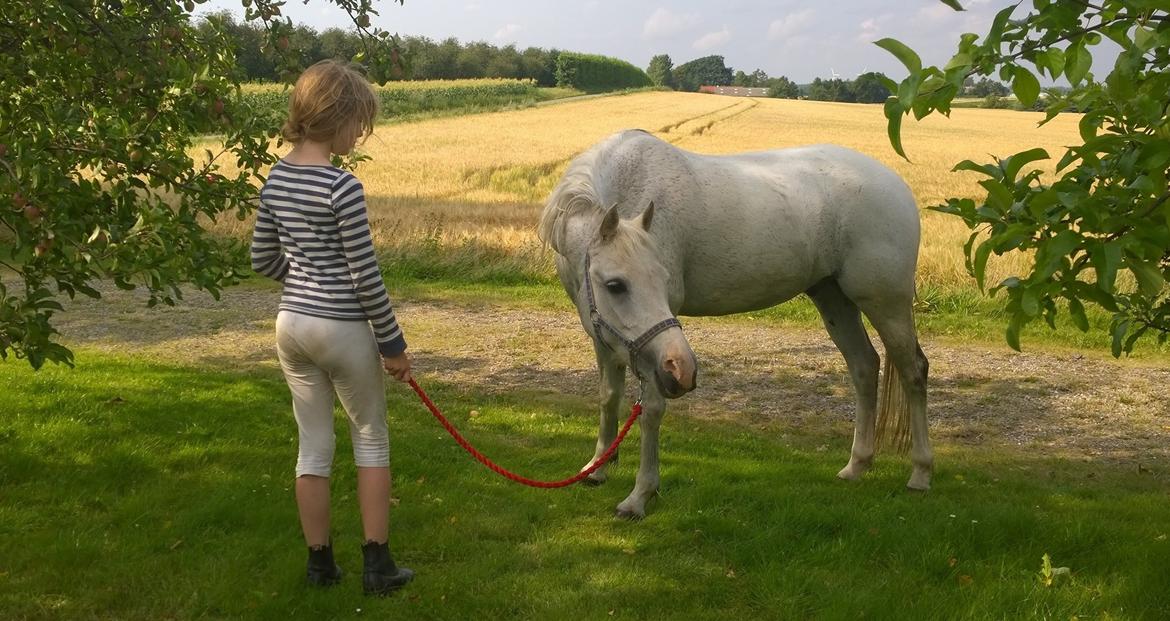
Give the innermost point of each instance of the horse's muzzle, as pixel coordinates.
(678, 374)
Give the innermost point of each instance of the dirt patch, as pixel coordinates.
(1069, 404)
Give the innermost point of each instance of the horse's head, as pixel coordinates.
(625, 293)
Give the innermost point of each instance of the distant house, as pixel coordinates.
(735, 91)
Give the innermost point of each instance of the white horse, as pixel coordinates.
(645, 231)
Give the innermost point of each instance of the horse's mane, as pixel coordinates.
(581, 189)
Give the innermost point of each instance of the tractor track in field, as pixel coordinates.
(1042, 402)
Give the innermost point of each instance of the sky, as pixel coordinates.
(800, 39)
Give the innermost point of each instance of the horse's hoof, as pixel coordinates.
(849, 473)
(919, 481)
(591, 482)
(631, 516)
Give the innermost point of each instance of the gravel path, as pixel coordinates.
(1087, 406)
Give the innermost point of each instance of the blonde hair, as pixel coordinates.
(328, 98)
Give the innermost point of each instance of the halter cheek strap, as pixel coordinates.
(633, 346)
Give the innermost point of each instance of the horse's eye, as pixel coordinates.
(616, 287)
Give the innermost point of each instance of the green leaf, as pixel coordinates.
(1013, 332)
(958, 60)
(987, 169)
(1077, 311)
(1088, 126)
(1091, 293)
(1025, 86)
(908, 56)
(1013, 164)
(1053, 251)
(1120, 327)
(893, 111)
(1106, 260)
(1144, 38)
(1149, 278)
(1077, 62)
(979, 265)
(999, 197)
(1030, 302)
(954, 4)
(995, 34)
(1055, 62)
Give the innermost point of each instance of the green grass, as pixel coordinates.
(143, 491)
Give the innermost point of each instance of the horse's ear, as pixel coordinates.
(609, 224)
(647, 216)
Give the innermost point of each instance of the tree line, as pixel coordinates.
(449, 59)
(712, 71)
(424, 58)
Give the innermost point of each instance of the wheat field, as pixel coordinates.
(475, 184)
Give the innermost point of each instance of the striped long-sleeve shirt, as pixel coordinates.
(313, 234)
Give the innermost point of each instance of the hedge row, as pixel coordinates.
(594, 73)
(410, 98)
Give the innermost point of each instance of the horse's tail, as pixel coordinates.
(893, 416)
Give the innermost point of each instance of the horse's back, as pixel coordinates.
(746, 231)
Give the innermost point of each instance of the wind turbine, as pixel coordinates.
(833, 72)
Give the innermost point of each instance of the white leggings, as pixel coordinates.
(320, 356)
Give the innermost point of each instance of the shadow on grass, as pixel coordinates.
(136, 490)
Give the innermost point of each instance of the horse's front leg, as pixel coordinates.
(613, 384)
(646, 486)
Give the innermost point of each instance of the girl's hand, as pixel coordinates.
(398, 366)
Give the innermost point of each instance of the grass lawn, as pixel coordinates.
(136, 490)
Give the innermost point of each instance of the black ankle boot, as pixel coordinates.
(322, 570)
(381, 576)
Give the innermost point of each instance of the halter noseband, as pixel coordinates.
(635, 346)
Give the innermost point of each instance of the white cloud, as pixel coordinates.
(871, 29)
(790, 25)
(937, 12)
(507, 31)
(664, 23)
(713, 39)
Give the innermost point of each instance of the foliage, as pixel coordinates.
(429, 60)
(1107, 211)
(705, 71)
(783, 88)
(834, 89)
(400, 99)
(870, 88)
(757, 78)
(866, 88)
(595, 73)
(985, 87)
(660, 72)
(102, 102)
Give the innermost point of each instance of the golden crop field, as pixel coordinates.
(479, 181)
(411, 85)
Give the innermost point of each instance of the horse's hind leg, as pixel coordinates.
(613, 384)
(843, 322)
(895, 324)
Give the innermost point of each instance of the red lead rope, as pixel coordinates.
(634, 414)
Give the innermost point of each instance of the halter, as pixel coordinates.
(635, 346)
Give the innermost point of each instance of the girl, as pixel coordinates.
(312, 234)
